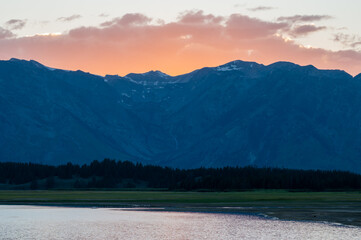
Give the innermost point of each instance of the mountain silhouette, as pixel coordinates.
(237, 114)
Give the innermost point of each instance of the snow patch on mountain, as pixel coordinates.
(231, 67)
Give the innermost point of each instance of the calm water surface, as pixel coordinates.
(28, 222)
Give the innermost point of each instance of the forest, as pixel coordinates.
(124, 174)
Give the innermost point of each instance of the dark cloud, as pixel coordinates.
(304, 18)
(261, 8)
(15, 24)
(70, 18)
(4, 33)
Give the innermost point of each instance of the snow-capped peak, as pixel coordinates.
(236, 65)
(156, 74)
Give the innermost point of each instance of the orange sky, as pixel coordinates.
(134, 43)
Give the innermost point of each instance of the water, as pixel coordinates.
(28, 222)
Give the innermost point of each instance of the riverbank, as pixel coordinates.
(338, 207)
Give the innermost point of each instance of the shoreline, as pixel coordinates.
(335, 207)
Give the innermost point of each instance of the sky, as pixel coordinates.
(176, 37)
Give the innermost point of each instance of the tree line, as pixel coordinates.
(111, 174)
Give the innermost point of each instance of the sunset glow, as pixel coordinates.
(138, 42)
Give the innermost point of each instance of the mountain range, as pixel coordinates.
(237, 114)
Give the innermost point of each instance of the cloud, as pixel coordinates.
(305, 30)
(261, 8)
(299, 24)
(15, 24)
(304, 18)
(128, 19)
(70, 18)
(137, 43)
(4, 33)
(198, 17)
(348, 40)
(356, 44)
(244, 27)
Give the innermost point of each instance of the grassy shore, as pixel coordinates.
(340, 207)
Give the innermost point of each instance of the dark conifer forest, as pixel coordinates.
(124, 174)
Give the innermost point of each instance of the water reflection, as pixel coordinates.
(27, 222)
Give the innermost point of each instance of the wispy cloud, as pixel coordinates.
(303, 30)
(15, 24)
(261, 8)
(304, 18)
(136, 43)
(302, 25)
(348, 40)
(4, 33)
(70, 18)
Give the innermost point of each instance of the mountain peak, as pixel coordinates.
(150, 78)
(31, 63)
(156, 73)
(283, 64)
(236, 66)
(15, 60)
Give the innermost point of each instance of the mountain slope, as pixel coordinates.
(240, 113)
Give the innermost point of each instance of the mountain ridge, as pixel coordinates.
(239, 113)
(278, 63)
